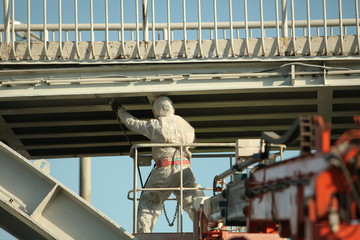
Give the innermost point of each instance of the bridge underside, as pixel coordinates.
(61, 108)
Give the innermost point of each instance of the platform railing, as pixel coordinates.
(135, 150)
(176, 20)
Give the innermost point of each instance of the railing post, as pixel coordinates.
(7, 21)
(60, 29)
(284, 16)
(293, 26)
(137, 29)
(76, 16)
(263, 35)
(308, 24)
(107, 28)
(45, 33)
(28, 33)
(145, 20)
(13, 36)
(200, 30)
(325, 28)
(277, 26)
(135, 203)
(184, 28)
(216, 29)
(92, 36)
(231, 28)
(181, 190)
(122, 28)
(246, 28)
(153, 27)
(341, 28)
(231, 165)
(169, 38)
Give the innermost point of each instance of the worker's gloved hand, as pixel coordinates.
(115, 106)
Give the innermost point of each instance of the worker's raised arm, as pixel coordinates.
(143, 127)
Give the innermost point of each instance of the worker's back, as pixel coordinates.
(172, 129)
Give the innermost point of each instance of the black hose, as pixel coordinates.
(130, 143)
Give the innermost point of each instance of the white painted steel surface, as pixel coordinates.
(246, 65)
(64, 111)
(138, 78)
(33, 205)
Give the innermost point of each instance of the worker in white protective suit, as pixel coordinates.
(166, 128)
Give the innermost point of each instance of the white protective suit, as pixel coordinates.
(166, 128)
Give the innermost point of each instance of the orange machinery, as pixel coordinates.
(313, 196)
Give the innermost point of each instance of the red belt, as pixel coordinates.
(165, 163)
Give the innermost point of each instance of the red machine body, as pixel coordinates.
(313, 196)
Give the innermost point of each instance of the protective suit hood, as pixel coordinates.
(163, 107)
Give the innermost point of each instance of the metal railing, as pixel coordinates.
(168, 20)
(181, 188)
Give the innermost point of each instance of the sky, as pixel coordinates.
(112, 176)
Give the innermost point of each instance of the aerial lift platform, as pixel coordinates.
(315, 195)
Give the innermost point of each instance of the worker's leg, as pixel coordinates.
(150, 207)
(189, 182)
(150, 204)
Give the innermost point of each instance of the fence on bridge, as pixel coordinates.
(154, 21)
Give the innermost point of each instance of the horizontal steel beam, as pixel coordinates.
(177, 26)
(172, 78)
(190, 118)
(192, 105)
(237, 129)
